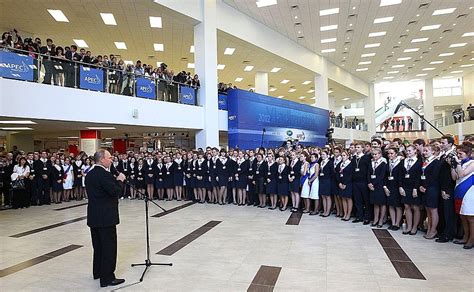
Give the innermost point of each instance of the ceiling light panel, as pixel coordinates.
(158, 47)
(398, 66)
(362, 69)
(120, 45)
(58, 15)
(367, 55)
(220, 67)
(108, 18)
(229, 51)
(248, 68)
(191, 49)
(238, 79)
(377, 34)
(325, 41)
(328, 27)
(389, 2)
(372, 45)
(155, 22)
(431, 27)
(458, 45)
(81, 43)
(275, 70)
(306, 82)
(365, 63)
(328, 51)
(468, 34)
(411, 50)
(419, 40)
(446, 54)
(265, 3)
(444, 11)
(383, 19)
(436, 62)
(190, 65)
(328, 11)
(404, 59)
(285, 81)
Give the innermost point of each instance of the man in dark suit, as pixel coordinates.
(103, 190)
(72, 73)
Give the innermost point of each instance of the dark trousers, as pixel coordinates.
(33, 191)
(6, 193)
(48, 71)
(43, 191)
(360, 193)
(447, 207)
(252, 197)
(104, 243)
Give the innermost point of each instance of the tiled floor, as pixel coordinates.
(319, 254)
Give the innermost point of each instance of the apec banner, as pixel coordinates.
(16, 66)
(187, 95)
(146, 88)
(222, 102)
(91, 78)
(252, 114)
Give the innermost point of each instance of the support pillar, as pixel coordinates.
(428, 104)
(261, 82)
(321, 88)
(89, 141)
(369, 110)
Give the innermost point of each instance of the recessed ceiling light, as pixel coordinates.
(466, 65)
(272, 89)
(445, 54)
(367, 55)
(403, 58)
(158, 64)
(81, 43)
(389, 77)
(310, 91)
(16, 129)
(285, 81)
(328, 11)
(264, 3)
(458, 45)
(14, 122)
(238, 79)
(108, 18)
(446, 77)
(191, 49)
(456, 72)
(120, 45)
(346, 98)
(419, 75)
(389, 2)
(444, 11)
(328, 51)
(128, 62)
(428, 69)
(229, 51)
(383, 19)
(393, 72)
(292, 90)
(58, 15)
(372, 45)
(248, 68)
(275, 69)
(68, 137)
(220, 67)
(302, 97)
(411, 50)
(430, 27)
(306, 82)
(328, 27)
(362, 69)
(191, 65)
(155, 21)
(468, 34)
(280, 96)
(398, 66)
(330, 91)
(436, 62)
(419, 40)
(101, 128)
(365, 63)
(325, 41)
(377, 34)
(159, 47)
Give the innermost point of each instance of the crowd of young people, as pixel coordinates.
(411, 187)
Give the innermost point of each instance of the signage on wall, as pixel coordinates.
(145, 88)
(16, 66)
(187, 95)
(91, 78)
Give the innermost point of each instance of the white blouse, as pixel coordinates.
(21, 170)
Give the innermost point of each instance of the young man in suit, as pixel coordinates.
(103, 190)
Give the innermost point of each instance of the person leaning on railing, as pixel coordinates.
(49, 50)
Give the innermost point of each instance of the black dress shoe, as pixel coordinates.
(366, 222)
(356, 221)
(114, 282)
(443, 239)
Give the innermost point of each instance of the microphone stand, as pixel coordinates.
(148, 263)
(421, 117)
(263, 135)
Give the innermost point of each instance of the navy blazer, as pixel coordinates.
(431, 174)
(413, 181)
(347, 172)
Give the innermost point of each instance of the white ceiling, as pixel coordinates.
(399, 33)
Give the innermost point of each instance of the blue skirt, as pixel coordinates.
(271, 187)
(295, 185)
(409, 199)
(325, 186)
(347, 192)
(159, 184)
(283, 189)
(431, 197)
(394, 200)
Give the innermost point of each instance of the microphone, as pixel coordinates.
(264, 130)
(400, 105)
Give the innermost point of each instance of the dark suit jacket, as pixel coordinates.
(103, 191)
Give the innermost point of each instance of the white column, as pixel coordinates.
(205, 59)
(369, 110)
(261, 82)
(428, 104)
(321, 87)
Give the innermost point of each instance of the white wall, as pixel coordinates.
(37, 101)
(351, 135)
(223, 120)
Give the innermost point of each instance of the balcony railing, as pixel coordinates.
(452, 119)
(34, 67)
(343, 123)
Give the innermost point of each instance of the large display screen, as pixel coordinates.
(252, 114)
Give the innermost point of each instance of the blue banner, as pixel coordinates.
(222, 102)
(252, 114)
(187, 95)
(91, 78)
(16, 66)
(146, 88)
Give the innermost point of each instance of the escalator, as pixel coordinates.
(387, 111)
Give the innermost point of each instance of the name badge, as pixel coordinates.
(257, 172)
(223, 167)
(269, 173)
(167, 172)
(407, 175)
(341, 175)
(160, 173)
(373, 176)
(238, 169)
(189, 169)
(292, 172)
(32, 171)
(390, 178)
(179, 168)
(139, 173)
(423, 177)
(149, 168)
(214, 167)
(45, 168)
(250, 169)
(199, 168)
(279, 176)
(357, 170)
(321, 174)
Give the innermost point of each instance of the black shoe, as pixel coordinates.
(114, 282)
(366, 222)
(356, 221)
(395, 228)
(443, 239)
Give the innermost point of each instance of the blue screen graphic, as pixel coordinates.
(250, 113)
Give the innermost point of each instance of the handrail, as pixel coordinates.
(94, 65)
